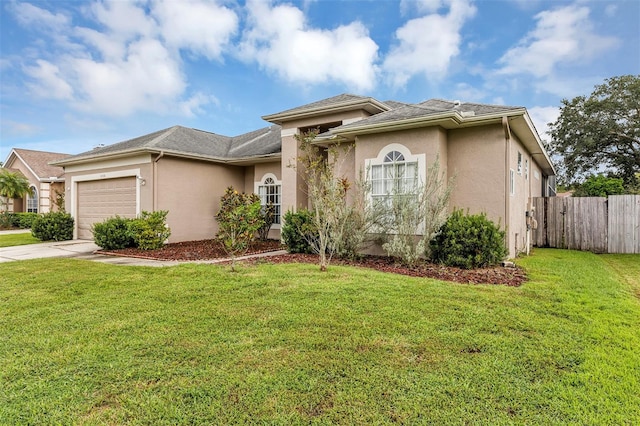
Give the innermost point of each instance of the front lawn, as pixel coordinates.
(90, 343)
(23, 238)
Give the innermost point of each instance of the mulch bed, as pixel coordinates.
(212, 249)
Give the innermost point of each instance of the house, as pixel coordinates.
(46, 180)
(494, 152)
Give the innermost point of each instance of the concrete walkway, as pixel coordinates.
(83, 249)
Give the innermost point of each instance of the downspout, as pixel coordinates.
(155, 180)
(507, 185)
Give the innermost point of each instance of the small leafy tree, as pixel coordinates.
(12, 185)
(239, 218)
(415, 215)
(600, 186)
(327, 193)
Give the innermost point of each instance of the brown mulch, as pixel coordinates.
(212, 249)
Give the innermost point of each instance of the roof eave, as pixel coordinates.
(169, 152)
(447, 119)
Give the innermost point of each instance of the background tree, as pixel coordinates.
(601, 130)
(600, 186)
(12, 185)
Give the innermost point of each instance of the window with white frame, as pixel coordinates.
(519, 163)
(512, 182)
(270, 192)
(394, 172)
(32, 200)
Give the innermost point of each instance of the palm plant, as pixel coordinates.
(12, 185)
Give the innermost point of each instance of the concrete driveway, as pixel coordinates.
(78, 249)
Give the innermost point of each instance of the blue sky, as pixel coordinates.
(75, 74)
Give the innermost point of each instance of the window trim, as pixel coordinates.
(408, 158)
(512, 182)
(33, 199)
(278, 183)
(520, 163)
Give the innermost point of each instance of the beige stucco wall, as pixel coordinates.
(191, 190)
(293, 190)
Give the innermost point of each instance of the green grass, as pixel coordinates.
(10, 240)
(89, 343)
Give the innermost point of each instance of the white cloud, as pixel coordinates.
(562, 36)
(127, 57)
(541, 117)
(279, 39)
(202, 27)
(466, 92)
(422, 6)
(48, 81)
(35, 17)
(146, 79)
(428, 44)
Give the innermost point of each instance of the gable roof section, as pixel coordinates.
(38, 163)
(340, 103)
(192, 143)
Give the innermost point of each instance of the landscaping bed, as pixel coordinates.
(212, 249)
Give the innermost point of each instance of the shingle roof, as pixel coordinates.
(183, 140)
(426, 109)
(335, 100)
(38, 162)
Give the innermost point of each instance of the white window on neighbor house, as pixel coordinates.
(32, 200)
(519, 163)
(269, 189)
(512, 182)
(394, 172)
(526, 169)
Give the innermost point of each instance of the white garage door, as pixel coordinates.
(101, 199)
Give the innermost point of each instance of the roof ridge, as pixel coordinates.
(163, 136)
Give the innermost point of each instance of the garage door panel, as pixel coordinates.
(101, 199)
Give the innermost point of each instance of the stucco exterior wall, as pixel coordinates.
(431, 141)
(476, 158)
(191, 190)
(293, 191)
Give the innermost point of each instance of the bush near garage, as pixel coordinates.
(147, 232)
(468, 241)
(113, 233)
(150, 230)
(56, 226)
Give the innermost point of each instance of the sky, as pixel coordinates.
(77, 74)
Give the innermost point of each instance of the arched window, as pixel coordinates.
(270, 192)
(396, 174)
(32, 200)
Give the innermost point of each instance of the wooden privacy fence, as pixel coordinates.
(600, 225)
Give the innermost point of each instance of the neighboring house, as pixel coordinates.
(493, 151)
(47, 181)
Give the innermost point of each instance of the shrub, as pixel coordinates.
(297, 230)
(7, 220)
(57, 226)
(25, 220)
(267, 213)
(113, 233)
(239, 218)
(468, 241)
(150, 230)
